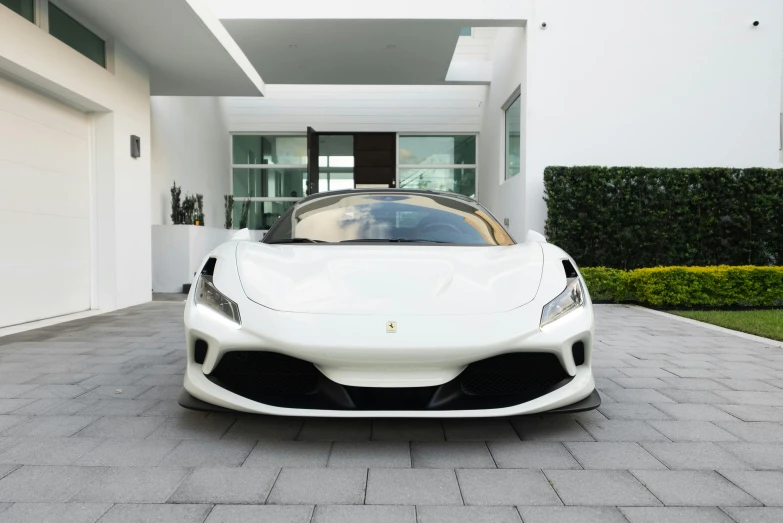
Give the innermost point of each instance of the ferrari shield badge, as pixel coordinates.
(391, 326)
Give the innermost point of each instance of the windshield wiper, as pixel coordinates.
(390, 240)
(298, 240)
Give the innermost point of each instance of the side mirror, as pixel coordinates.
(533, 236)
(242, 234)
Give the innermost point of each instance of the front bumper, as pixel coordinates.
(356, 351)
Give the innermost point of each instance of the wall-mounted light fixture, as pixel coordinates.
(135, 146)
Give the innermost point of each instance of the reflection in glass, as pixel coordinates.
(270, 183)
(460, 181)
(407, 217)
(261, 215)
(269, 150)
(335, 162)
(73, 34)
(513, 132)
(25, 8)
(438, 150)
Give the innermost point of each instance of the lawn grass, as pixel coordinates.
(767, 323)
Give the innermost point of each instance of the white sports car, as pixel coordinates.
(389, 303)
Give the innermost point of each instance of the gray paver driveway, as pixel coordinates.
(691, 429)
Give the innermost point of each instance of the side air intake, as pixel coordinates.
(569, 269)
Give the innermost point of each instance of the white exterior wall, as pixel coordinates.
(118, 103)
(504, 198)
(657, 83)
(190, 145)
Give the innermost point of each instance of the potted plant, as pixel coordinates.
(228, 201)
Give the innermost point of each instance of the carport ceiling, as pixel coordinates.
(185, 56)
(363, 52)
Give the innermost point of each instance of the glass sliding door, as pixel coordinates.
(335, 162)
(442, 163)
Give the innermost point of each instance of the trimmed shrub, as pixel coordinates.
(631, 217)
(721, 286)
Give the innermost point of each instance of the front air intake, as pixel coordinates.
(200, 351)
(578, 350)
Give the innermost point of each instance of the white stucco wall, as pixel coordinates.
(118, 105)
(660, 83)
(504, 198)
(190, 145)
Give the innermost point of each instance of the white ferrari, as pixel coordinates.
(389, 303)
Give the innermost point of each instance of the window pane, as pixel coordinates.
(461, 181)
(270, 150)
(260, 215)
(465, 31)
(21, 7)
(270, 183)
(438, 150)
(513, 127)
(75, 35)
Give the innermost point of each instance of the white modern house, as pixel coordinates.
(105, 103)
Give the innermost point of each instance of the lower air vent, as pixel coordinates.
(200, 351)
(253, 373)
(578, 350)
(517, 373)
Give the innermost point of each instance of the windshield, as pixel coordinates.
(388, 218)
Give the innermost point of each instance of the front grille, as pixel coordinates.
(512, 374)
(283, 381)
(253, 373)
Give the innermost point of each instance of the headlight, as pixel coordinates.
(208, 296)
(570, 299)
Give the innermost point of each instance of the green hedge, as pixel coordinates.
(720, 286)
(630, 217)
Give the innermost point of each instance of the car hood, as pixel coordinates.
(392, 279)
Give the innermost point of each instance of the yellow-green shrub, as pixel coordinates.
(717, 286)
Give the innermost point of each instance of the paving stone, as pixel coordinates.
(15, 390)
(316, 429)
(752, 385)
(193, 428)
(226, 485)
(694, 412)
(600, 487)
(201, 453)
(695, 456)
(126, 453)
(115, 391)
(675, 515)
(370, 454)
(320, 486)
(693, 488)
(551, 428)
(31, 484)
(407, 430)
(412, 487)
(54, 512)
(693, 396)
(763, 456)
(531, 455)
(742, 397)
(116, 407)
(505, 487)
(50, 426)
(156, 514)
(132, 485)
(755, 514)
(621, 430)
(434, 514)
(640, 383)
(632, 411)
(9, 405)
(310, 454)
(638, 396)
(260, 513)
(451, 454)
(363, 514)
(764, 485)
(479, 430)
(755, 431)
(265, 428)
(47, 451)
(571, 515)
(692, 431)
(748, 412)
(613, 455)
(123, 427)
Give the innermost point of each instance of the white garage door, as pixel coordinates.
(44, 207)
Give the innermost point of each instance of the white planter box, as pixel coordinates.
(177, 252)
